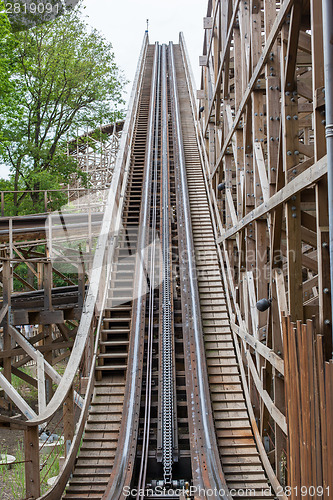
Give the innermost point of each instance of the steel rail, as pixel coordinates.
(211, 476)
(167, 333)
(121, 474)
(146, 429)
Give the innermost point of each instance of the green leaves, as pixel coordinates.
(8, 60)
(64, 80)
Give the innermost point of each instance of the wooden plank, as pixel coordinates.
(41, 383)
(316, 466)
(231, 206)
(23, 376)
(33, 353)
(16, 398)
(32, 467)
(208, 23)
(295, 409)
(68, 410)
(253, 311)
(263, 350)
(306, 442)
(266, 463)
(203, 61)
(323, 412)
(262, 171)
(285, 7)
(3, 312)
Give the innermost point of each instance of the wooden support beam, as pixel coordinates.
(23, 376)
(16, 398)
(275, 413)
(33, 354)
(41, 382)
(31, 449)
(301, 182)
(266, 107)
(262, 171)
(285, 7)
(259, 347)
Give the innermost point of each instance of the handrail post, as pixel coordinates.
(47, 329)
(32, 473)
(68, 410)
(45, 201)
(2, 204)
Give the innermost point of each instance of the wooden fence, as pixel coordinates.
(309, 405)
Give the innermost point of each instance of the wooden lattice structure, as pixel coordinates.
(95, 153)
(262, 120)
(45, 268)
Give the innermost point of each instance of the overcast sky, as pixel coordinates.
(123, 22)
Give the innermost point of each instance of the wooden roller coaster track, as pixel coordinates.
(197, 322)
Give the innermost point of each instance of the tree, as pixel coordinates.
(7, 58)
(66, 80)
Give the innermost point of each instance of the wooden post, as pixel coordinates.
(7, 341)
(68, 410)
(41, 382)
(2, 204)
(32, 473)
(48, 328)
(289, 41)
(324, 282)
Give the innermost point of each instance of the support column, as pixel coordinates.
(32, 474)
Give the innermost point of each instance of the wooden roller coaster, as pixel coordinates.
(187, 295)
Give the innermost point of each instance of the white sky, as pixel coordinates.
(123, 22)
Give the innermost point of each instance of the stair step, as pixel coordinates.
(113, 355)
(114, 343)
(111, 367)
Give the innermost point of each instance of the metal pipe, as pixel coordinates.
(328, 69)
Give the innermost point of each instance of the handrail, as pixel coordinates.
(123, 158)
(189, 75)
